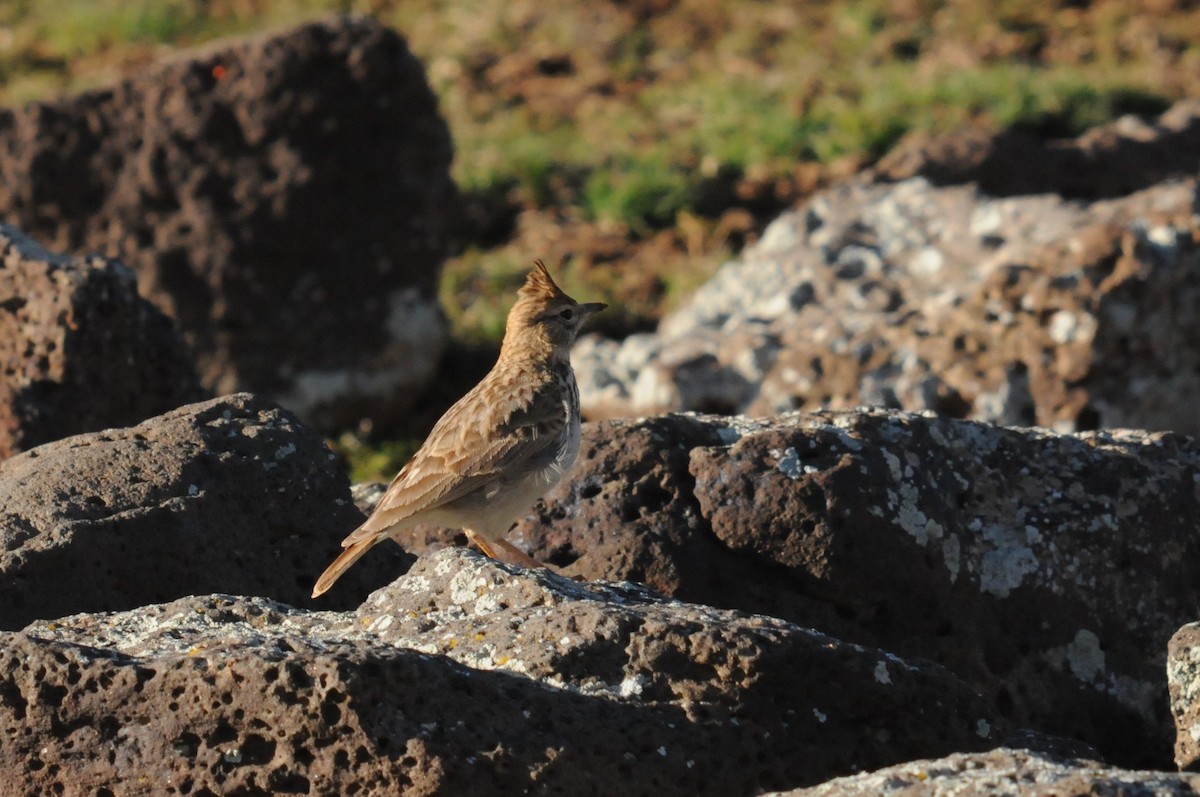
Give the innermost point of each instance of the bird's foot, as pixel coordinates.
(520, 556)
(481, 544)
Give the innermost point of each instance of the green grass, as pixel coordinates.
(849, 86)
(50, 47)
(476, 291)
(83, 27)
(579, 109)
(750, 86)
(643, 193)
(508, 152)
(373, 461)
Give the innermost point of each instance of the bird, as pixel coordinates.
(501, 446)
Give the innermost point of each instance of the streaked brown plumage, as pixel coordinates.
(501, 446)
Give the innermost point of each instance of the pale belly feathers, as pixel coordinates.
(492, 510)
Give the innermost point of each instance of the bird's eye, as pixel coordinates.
(567, 315)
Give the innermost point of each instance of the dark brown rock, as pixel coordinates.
(80, 350)
(1183, 679)
(286, 198)
(1048, 570)
(232, 494)
(1113, 160)
(464, 677)
(1002, 773)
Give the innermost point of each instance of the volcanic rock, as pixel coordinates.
(80, 350)
(1048, 570)
(1005, 772)
(285, 198)
(464, 677)
(231, 494)
(1021, 309)
(1183, 678)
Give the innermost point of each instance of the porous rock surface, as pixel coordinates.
(1183, 679)
(79, 349)
(232, 494)
(1048, 570)
(1069, 313)
(463, 677)
(286, 198)
(1003, 773)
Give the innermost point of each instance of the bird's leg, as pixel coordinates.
(481, 544)
(516, 553)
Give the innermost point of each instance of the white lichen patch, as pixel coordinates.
(1085, 657)
(952, 555)
(915, 523)
(1005, 566)
(732, 428)
(849, 441)
(1183, 674)
(472, 592)
(881, 673)
(894, 466)
(1067, 327)
(787, 461)
(632, 686)
(1140, 696)
(381, 623)
(414, 582)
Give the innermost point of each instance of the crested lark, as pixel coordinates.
(501, 446)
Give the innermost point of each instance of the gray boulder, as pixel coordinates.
(231, 494)
(463, 677)
(1016, 308)
(1048, 570)
(1183, 679)
(1002, 773)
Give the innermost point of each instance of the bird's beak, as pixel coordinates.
(591, 308)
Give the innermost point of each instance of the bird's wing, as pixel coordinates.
(476, 443)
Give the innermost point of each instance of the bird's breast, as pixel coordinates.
(491, 510)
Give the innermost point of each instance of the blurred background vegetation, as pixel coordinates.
(637, 145)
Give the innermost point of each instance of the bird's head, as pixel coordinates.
(544, 321)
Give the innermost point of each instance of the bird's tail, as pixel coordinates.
(342, 563)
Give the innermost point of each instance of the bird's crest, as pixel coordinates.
(539, 286)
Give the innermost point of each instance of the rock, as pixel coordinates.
(1019, 310)
(81, 351)
(285, 198)
(1110, 161)
(231, 494)
(1183, 680)
(1047, 570)
(465, 676)
(1004, 772)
